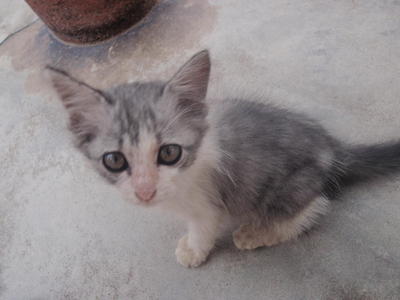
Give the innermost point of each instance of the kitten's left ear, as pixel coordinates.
(190, 83)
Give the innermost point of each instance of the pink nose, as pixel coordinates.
(145, 195)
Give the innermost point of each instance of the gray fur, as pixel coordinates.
(273, 163)
(272, 158)
(279, 161)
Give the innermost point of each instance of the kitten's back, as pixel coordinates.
(263, 146)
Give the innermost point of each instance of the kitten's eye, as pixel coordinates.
(169, 154)
(115, 161)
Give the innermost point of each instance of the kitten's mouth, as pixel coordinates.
(151, 202)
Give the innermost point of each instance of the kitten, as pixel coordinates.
(265, 168)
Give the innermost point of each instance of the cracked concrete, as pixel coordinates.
(64, 234)
(14, 16)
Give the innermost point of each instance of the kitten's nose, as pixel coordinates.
(145, 195)
(144, 180)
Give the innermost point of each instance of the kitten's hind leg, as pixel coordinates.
(252, 236)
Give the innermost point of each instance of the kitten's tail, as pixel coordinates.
(363, 163)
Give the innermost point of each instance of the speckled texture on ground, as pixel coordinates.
(64, 234)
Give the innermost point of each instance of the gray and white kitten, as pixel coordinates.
(266, 169)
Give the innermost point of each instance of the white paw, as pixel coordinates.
(187, 256)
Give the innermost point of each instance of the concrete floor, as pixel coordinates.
(64, 234)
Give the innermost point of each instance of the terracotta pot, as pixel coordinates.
(90, 21)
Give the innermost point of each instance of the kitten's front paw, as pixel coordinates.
(187, 256)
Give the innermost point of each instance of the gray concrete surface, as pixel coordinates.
(64, 234)
(14, 16)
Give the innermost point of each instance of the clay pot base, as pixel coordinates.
(79, 22)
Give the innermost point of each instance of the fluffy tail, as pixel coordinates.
(363, 163)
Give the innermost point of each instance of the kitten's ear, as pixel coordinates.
(191, 81)
(86, 106)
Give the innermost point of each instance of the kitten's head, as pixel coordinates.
(142, 137)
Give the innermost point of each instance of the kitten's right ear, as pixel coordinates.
(86, 106)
